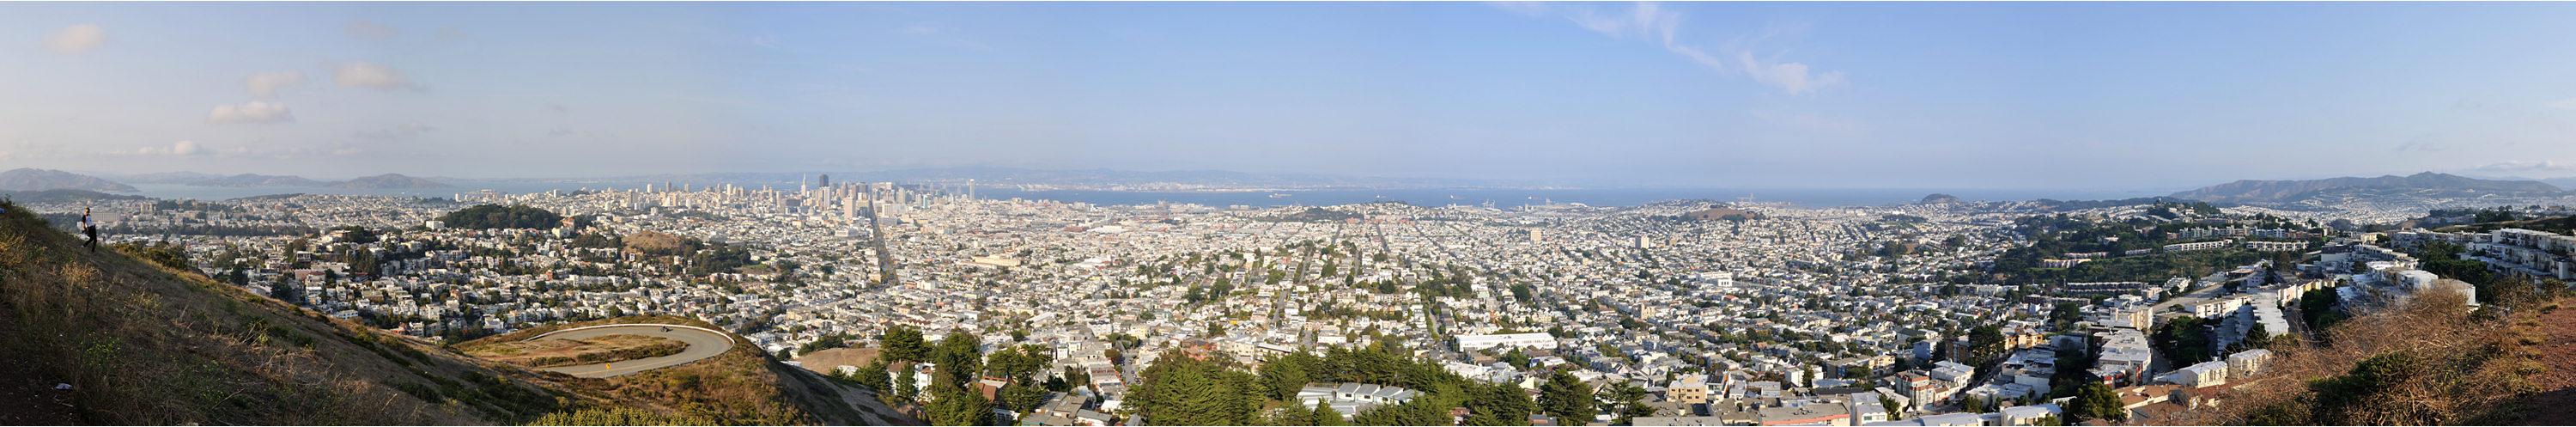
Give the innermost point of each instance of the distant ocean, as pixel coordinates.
(1501, 198)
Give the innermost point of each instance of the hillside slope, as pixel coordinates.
(145, 344)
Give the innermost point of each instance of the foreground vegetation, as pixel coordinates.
(2427, 362)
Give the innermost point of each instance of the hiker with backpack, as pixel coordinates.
(89, 228)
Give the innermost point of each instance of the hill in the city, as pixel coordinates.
(2427, 183)
(132, 335)
(32, 179)
(1721, 213)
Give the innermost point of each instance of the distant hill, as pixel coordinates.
(255, 180)
(391, 180)
(2260, 191)
(1721, 213)
(2561, 182)
(31, 179)
(62, 196)
(1939, 198)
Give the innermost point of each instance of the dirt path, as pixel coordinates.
(2556, 404)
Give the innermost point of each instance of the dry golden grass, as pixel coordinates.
(143, 344)
(2463, 370)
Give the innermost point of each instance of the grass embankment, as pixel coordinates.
(553, 352)
(143, 343)
(2428, 362)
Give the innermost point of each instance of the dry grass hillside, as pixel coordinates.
(142, 343)
(147, 344)
(2429, 362)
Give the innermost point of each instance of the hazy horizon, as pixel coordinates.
(2131, 96)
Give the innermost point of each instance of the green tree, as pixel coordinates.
(2096, 401)
(903, 344)
(1567, 399)
(1289, 373)
(1507, 403)
(956, 406)
(1022, 396)
(1326, 416)
(906, 388)
(959, 356)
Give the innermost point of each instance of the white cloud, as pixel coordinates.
(181, 148)
(1793, 77)
(265, 85)
(369, 75)
(251, 112)
(76, 38)
(1650, 22)
(360, 28)
(2563, 104)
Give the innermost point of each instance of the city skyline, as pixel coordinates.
(2126, 96)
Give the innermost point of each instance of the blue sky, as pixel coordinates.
(1908, 95)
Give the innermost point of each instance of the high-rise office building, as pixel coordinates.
(824, 181)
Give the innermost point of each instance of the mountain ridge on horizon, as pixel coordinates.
(2274, 191)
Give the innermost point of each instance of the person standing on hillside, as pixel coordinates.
(89, 228)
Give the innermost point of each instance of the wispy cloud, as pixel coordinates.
(1791, 76)
(1651, 22)
(370, 75)
(76, 39)
(265, 85)
(2563, 104)
(251, 112)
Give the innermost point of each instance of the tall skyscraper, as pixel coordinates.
(824, 181)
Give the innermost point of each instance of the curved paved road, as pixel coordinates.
(702, 344)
